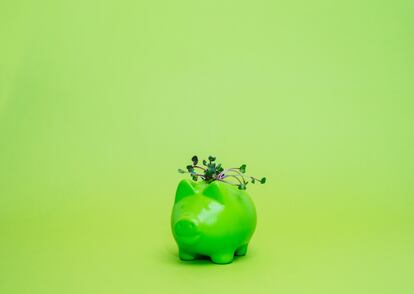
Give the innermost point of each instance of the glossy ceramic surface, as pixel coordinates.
(215, 220)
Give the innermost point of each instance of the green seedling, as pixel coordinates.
(211, 171)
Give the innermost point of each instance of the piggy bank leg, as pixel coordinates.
(242, 250)
(223, 258)
(184, 255)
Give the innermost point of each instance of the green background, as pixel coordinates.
(101, 102)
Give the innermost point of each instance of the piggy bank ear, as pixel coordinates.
(214, 191)
(184, 189)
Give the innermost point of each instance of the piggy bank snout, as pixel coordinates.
(186, 231)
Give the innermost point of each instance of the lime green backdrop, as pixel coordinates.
(101, 102)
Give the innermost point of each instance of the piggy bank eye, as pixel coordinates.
(213, 191)
(184, 189)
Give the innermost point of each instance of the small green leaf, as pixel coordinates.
(211, 158)
(242, 187)
(194, 159)
(204, 162)
(181, 171)
(263, 180)
(195, 178)
(190, 168)
(243, 168)
(253, 180)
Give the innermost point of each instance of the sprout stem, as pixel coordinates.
(236, 170)
(235, 178)
(227, 182)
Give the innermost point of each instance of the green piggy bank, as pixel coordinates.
(215, 220)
